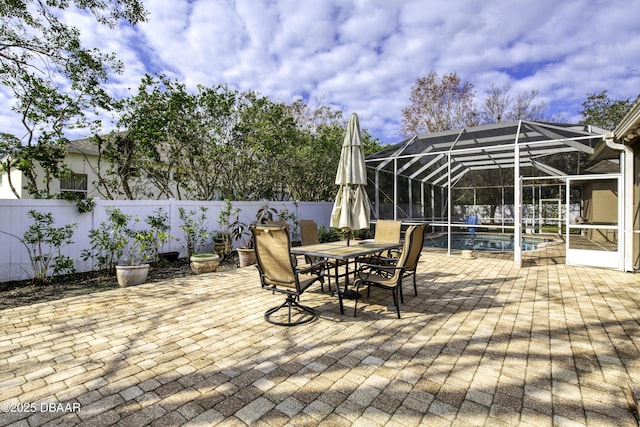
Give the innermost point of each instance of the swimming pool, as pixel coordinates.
(483, 242)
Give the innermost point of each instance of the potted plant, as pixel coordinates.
(206, 262)
(241, 232)
(117, 247)
(218, 243)
(294, 225)
(138, 248)
(196, 234)
(134, 249)
(222, 240)
(159, 223)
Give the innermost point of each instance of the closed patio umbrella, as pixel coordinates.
(351, 209)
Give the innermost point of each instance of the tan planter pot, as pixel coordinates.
(130, 275)
(204, 263)
(246, 257)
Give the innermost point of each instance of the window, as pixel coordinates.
(75, 184)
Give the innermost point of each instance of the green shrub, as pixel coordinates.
(43, 242)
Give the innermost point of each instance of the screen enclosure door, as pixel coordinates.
(593, 231)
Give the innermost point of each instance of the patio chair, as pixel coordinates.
(309, 232)
(387, 231)
(279, 223)
(278, 273)
(414, 256)
(309, 236)
(388, 276)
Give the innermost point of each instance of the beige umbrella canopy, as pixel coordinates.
(351, 209)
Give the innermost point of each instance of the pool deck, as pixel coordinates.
(483, 343)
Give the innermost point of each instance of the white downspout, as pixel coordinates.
(627, 212)
(517, 201)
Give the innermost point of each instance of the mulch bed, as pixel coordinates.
(24, 292)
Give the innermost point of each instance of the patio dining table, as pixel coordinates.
(342, 251)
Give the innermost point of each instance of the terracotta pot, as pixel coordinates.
(129, 275)
(246, 257)
(204, 263)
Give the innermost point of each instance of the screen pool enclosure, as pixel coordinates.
(522, 177)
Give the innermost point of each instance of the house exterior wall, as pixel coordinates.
(16, 180)
(601, 207)
(83, 164)
(79, 163)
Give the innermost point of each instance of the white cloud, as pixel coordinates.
(365, 55)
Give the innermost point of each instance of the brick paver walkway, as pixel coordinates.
(483, 343)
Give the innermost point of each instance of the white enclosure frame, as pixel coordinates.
(442, 159)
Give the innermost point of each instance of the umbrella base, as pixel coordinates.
(348, 294)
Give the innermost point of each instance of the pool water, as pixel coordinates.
(483, 242)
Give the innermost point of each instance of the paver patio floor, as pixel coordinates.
(483, 343)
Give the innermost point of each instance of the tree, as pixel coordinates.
(266, 135)
(220, 143)
(54, 79)
(209, 153)
(496, 103)
(312, 170)
(524, 108)
(311, 118)
(9, 149)
(499, 106)
(154, 128)
(439, 103)
(601, 111)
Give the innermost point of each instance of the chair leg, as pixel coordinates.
(327, 269)
(415, 288)
(395, 291)
(355, 305)
(308, 315)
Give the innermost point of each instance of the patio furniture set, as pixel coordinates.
(382, 262)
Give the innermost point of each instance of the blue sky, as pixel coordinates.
(364, 56)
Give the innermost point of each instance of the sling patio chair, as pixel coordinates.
(388, 276)
(278, 273)
(387, 231)
(279, 223)
(309, 236)
(413, 258)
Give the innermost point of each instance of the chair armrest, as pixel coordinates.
(380, 270)
(312, 267)
(379, 266)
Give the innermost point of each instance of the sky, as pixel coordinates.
(364, 56)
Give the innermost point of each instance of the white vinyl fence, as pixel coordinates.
(14, 220)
